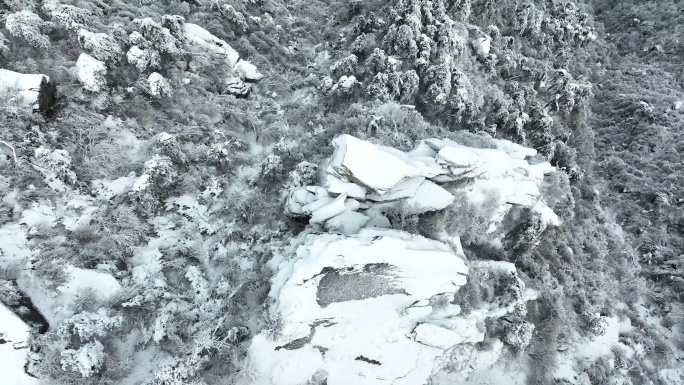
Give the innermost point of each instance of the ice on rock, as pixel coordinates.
(436, 336)
(405, 189)
(429, 197)
(384, 179)
(317, 204)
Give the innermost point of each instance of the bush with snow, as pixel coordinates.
(86, 360)
(159, 86)
(57, 164)
(518, 335)
(28, 26)
(100, 45)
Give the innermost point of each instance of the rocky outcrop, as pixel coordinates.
(375, 308)
(33, 91)
(363, 182)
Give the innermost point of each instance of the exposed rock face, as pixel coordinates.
(374, 308)
(365, 181)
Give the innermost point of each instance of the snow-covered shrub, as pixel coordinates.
(171, 148)
(91, 73)
(68, 17)
(4, 44)
(518, 335)
(100, 45)
(27, 25)
(86, 360)
(271, 172)
(154, 184)
(9, 295)
(596, 323)
(159, 86)
(57, 162)
(87, 325)
(345, 66)
(143, 58)
(304, 174)
(236, 18)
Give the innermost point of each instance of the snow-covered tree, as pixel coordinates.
(100, 45)
(91, 73)
(159, 86)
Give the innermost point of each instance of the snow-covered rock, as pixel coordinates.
(91, 72)
(344, 301)
(243, 69)
(14, 349)
(386, 180)
(378, 307)
(237, 86)
(201, 37)
(29, 90)
(365, 164)
(247, 71)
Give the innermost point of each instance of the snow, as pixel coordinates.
(108, 189)
(91, 72)
(14, 352)
(103, 283)
(345, 82)
(482, 46)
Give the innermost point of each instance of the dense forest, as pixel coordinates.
(354, 192)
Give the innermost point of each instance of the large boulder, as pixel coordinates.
(34, 91)
(375, 308)
(384, 181)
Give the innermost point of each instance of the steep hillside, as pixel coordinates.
(353, 192)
